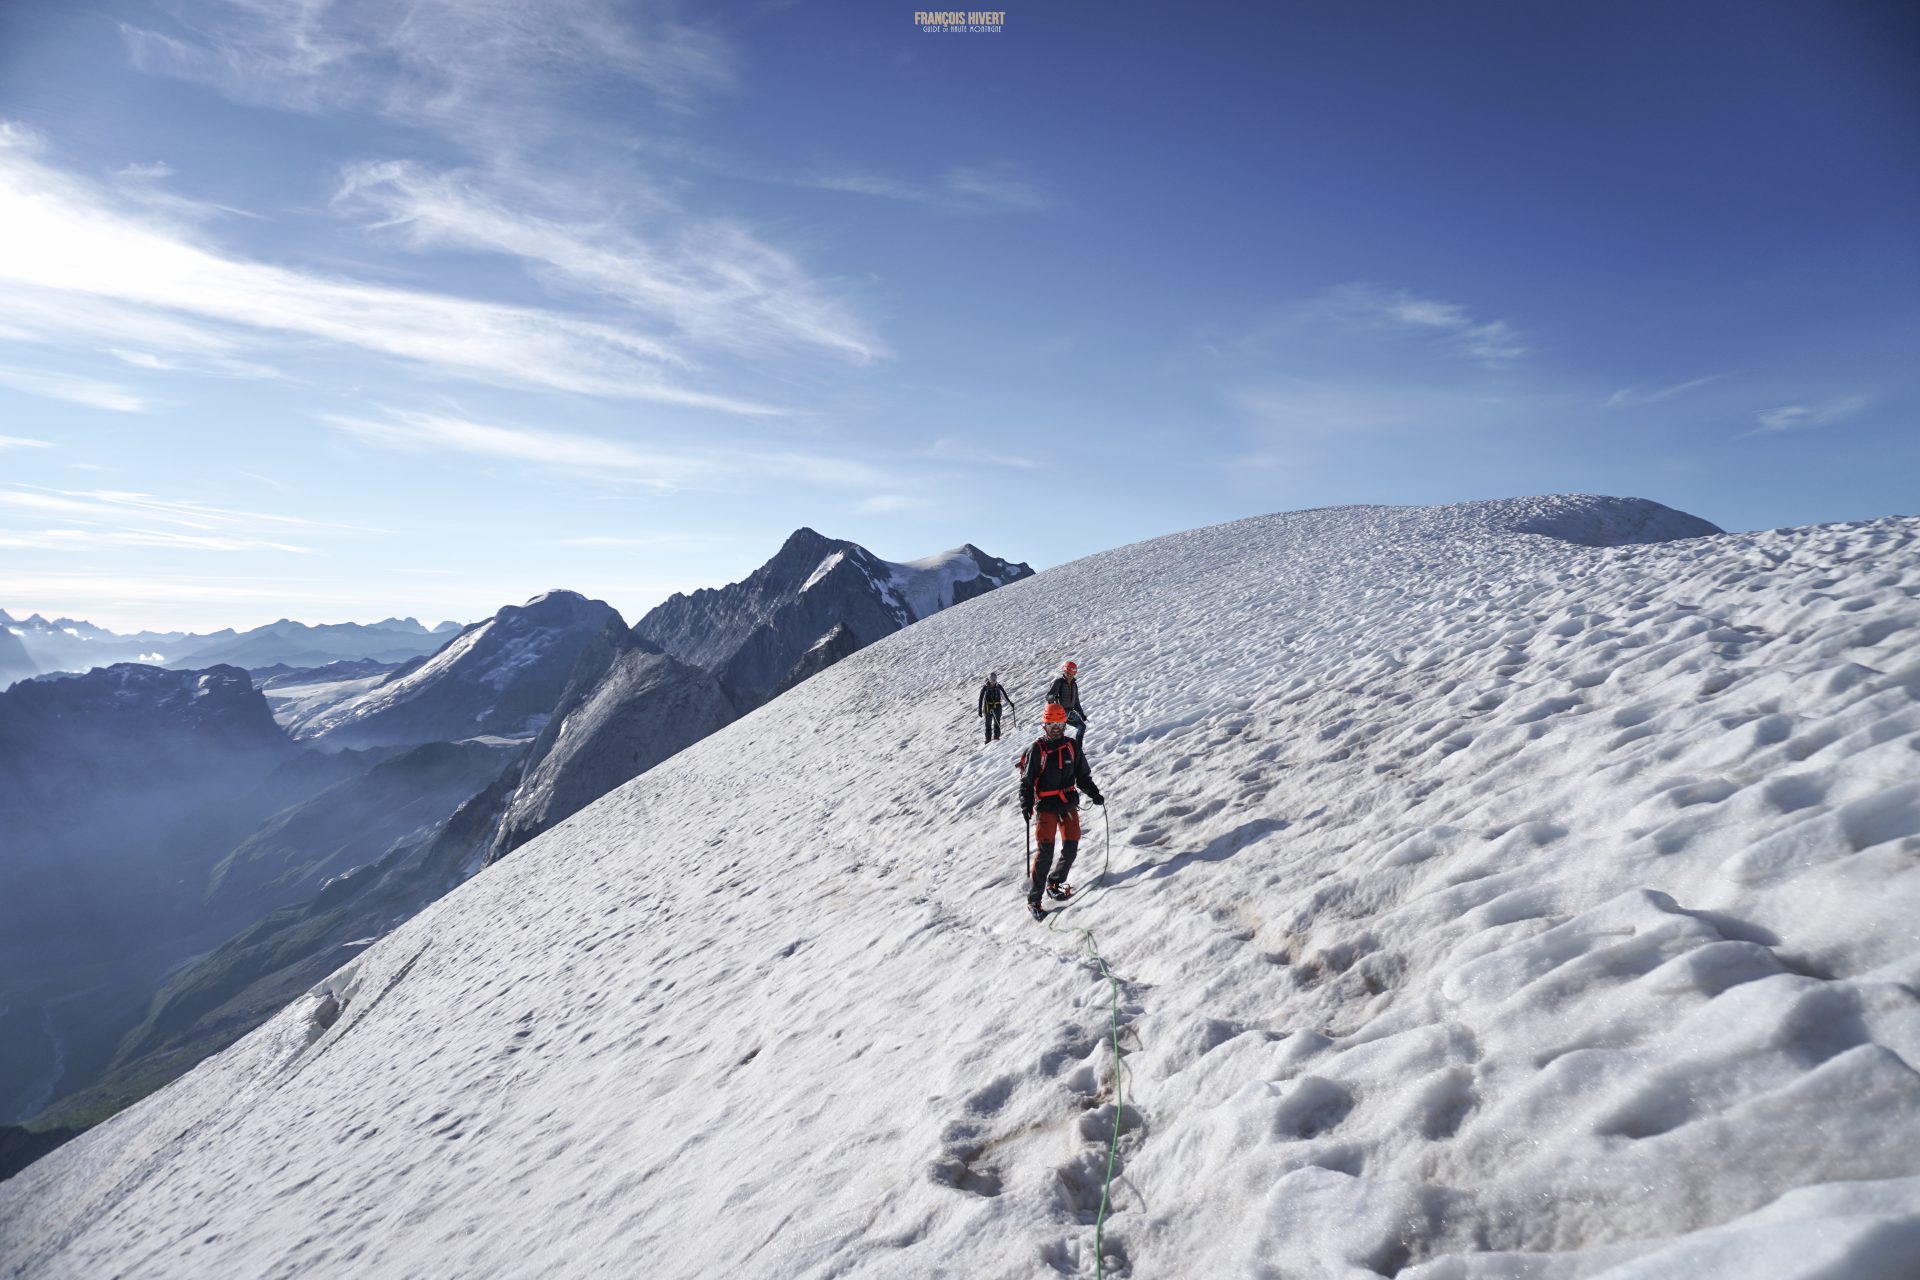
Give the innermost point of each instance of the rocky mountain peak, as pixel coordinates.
(130, 694)
(753, 634)
(500, 677)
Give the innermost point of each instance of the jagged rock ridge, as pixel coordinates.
(500, 677)
(752, 634)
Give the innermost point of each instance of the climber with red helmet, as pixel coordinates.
(1053, 772)
(1065, 690)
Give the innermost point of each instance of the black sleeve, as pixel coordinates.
(1083, 777)
(1009, 700)
(1028, 776)
(980, 703)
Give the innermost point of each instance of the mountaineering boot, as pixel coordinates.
(1063, 866)
(1059, 890)
(1035, 910)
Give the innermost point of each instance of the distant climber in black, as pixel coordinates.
(1065, 690)
(991, 696)
(1053, 772)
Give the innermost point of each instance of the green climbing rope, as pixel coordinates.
(1119, 1068)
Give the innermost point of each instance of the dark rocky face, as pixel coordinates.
(817, 600)
(501, 677)
(103, 780)
(629, 708)
(15, 662)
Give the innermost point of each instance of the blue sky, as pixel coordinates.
(339, 309)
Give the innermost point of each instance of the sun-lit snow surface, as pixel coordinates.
(1484, 906)
(298, 706)
(500, 676)
(925, 586)
(913, 589)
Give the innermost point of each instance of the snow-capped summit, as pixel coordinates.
(752, 633)
(1479, 905)
(921, 588)
(499, 677)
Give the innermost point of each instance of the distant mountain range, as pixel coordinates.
(149, 815)
(233, 860)
(34, 646)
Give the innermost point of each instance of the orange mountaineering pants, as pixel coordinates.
(1043, 868)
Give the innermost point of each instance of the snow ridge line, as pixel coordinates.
(335, 1033)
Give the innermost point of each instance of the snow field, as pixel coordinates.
(1483, 905)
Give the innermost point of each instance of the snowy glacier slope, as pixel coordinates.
(1482, 904)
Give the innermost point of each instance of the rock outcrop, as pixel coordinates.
(502, 677)
(753, 634)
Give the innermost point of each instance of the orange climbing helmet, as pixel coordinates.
(1054, 714)
(1070, 667)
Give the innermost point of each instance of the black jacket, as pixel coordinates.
(1054, 769)
(992, 692)
(1065, 690)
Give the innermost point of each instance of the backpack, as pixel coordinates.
(1063, 754)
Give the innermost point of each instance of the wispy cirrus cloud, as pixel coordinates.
(1364, 306)
(129, 332)
(23, 442)
(635, 542)
(151, 171)
(1357, 361)
(457, 65)
(1798, 417)
(603, 459)
(121, 329)
(1629, 397)
(91, 392)
(1305, 408)
(111, 508)
(965, 453)
(410, 432)
(983, 188)
(68, 246)
(112, 519)
(1349, 313)
(1301, 425)
(143, 184)
(95, 539)
(711, 282)
(521, 86)
(962, 189)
